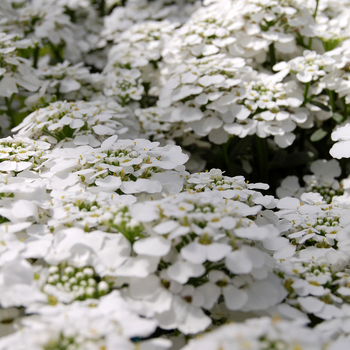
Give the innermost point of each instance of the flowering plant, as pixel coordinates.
(174, 174)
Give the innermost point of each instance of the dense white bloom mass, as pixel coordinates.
(264, 333)
(133, 166)
(87, 123)
(112, 233)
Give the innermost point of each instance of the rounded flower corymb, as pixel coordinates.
(131, 166)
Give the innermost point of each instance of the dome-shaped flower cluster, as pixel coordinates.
(168, 181)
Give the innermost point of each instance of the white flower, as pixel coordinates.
(21, 153)
(85, 324)
(311, 220)
(258, 333)
(290, 187)
(15, 72)
(66, 82)
(87, 123)
(133, 166)
(18, 287)
(340, 149)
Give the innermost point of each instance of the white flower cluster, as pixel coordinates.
(21, 153)
(112, 234)
(15, 71)
(322, 181)
(133, 166)
(264, 333)
(219, 96)
(106, 323)
(86, 123)
(65, 82)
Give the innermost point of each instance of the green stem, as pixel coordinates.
(331, 98)
(316, 9)
(345, 109)
(55, 51)
(9, 111)
(306, 91)
(310, 44)
(272, 54)
(36, 56)
(102, 8)
(314, 16)
(263, 159)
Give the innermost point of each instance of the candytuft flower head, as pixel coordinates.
(86, 123)
(133, 166)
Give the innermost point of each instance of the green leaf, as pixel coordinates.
(318, 135)
(337, 117)
(320, 105)
(330, 44)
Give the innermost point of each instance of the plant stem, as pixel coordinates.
(331, 98)
(345, 109)
(55, 51)
(306, 91)
(316, 9)
(36, 56)
(102, 8)
(272, 54)
(9, 111)
(310, 44)
(314, 16)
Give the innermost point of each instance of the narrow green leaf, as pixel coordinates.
(337, 117)
(318, 135)
(320, 105)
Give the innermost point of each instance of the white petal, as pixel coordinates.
(285, 140)
(182, 271)
(141, 185)
(304, 76)
(207, 80)
(109, 183)
(165, 227)
(143, 287)
(8, 165)
(311, 304)
(140, 266)
(234, 298)
(8, 87)
(103, 130)
(68, 85)
(240, 112)
(109, 142)
(256, 256)
(341, 133)
(211, 294)
(340, 150)
(76, 124)
(25, 209)
(144, 212)
(217, 251)
(152, 246)
(237, 262)
(210, 50)
(194, 253)
(195, 322)
(185, 91)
